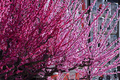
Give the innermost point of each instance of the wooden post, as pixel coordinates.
(77, 76)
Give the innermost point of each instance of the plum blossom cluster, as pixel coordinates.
(40, 37)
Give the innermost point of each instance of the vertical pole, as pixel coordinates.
(88, 77)
(118, 68)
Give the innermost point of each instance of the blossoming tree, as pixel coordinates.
(40, 37)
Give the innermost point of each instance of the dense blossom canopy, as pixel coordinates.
(40, 37)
